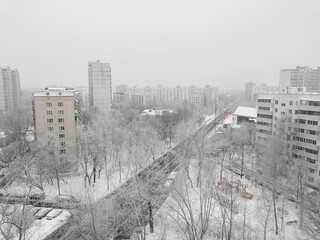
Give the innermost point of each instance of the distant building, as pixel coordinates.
(300, 77)
(100, 91)
(9, 90)
(157, 112)
(248, 90)
(121, 95)
(141, 99)
(252, 90)
(151, 95)
(84, 97)
(56, 111)
(121, 88)
(297, 115)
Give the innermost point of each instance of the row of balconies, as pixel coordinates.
(308, 117)
(307, 145)
(309, 108)
(265, 104)
(265, 120)
(263, 127)
(265, 112)
(308, 136)
(307, 126)
(305, 154)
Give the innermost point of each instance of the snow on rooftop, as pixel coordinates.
(246, 112)
(54, 93)
(156, 112)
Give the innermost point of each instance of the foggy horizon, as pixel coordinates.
(218, 43)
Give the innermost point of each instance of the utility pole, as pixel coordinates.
(150, 217)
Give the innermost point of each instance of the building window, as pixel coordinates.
(62, 135)
(61, 128)
(62, 144)
(60, 112)
(276, 110)
(291, 102)
(50, 120)
(49, 112)
(310, 179)
(62, 151)
(276, 102)
(50, 129)
(283, 104)
(311, 170)
(62, 159)
(48, 104)
(60, 120)
(60, 104)
(290, 111)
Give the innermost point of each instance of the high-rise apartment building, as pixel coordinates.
(300, 77)
(197, 96)
(9, 90)
(297, 115)
(56, 111)
(100, 91)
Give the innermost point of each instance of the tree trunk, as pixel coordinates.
(94, 174)
(242, 159)
(222, 160)
(150, 217)
(265, 224)
(275, 213)
(58, 181)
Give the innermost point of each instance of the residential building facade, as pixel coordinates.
(100, 90)
(9, 90)
(195, 96)
(300, 77)
(297, 115)
(56, 111)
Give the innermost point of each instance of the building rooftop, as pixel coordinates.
(55, 92)
(246, 112)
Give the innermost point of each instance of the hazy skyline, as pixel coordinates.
(169, 42)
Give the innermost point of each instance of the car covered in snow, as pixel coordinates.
(42, 213)
(63, 198)
(53, 214)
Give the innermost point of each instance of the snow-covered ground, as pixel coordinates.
(32, 228)
(74, 186)
(41, 228)
(169, 224)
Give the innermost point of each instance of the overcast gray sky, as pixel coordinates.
(223, 43)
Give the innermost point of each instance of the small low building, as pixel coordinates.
(156, 112)
(245, 115)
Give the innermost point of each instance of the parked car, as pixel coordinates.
(42, 213)
(35, 210)
(53, 214)
(62, 198)
(37, 196)
(3, 193)
(9, 209)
